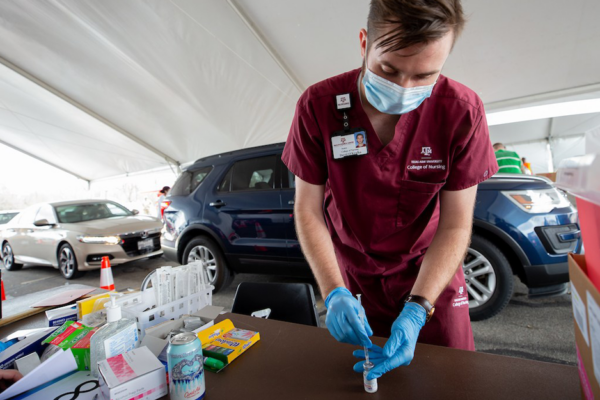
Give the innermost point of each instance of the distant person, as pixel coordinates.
(162, 195)
(526, 166)
(508, 160)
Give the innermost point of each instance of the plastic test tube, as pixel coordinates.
(370, 385)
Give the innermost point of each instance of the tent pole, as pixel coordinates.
(86, 110)
(550, 147)
(553, 95)
(45, 161)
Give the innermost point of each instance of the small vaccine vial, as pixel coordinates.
(370, 386)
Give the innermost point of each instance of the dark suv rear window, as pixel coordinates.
(252, 174)
(188, 181)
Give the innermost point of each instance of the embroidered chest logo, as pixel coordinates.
(425, 161)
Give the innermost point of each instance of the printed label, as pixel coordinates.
(122, 342)
(594, 316)
(579, 313)
(187, 378)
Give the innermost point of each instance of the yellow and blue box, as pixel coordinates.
(225, 342)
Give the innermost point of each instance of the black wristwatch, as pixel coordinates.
(423, 302)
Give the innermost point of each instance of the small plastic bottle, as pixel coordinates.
(370, 385)
(118, 336)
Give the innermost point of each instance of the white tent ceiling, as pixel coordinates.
(102, 88)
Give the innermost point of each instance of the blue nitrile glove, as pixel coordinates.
(343, 319)
(400, 347)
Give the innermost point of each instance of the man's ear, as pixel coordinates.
(362, 36)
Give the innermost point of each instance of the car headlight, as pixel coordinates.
(538, 201)
(111, 240)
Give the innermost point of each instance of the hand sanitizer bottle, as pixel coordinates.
(118, 336)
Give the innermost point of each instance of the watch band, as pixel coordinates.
(423, 302)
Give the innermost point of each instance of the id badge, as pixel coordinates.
(350, 143)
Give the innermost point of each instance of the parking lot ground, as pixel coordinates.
(540, 329)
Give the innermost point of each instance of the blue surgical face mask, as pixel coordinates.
(389, 98)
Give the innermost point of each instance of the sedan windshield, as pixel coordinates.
(89, 211)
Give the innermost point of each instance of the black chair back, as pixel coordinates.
(289, 302)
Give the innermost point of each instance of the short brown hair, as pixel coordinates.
(418, 21)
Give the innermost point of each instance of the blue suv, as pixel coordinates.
(235, 212)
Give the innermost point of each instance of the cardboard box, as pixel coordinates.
(586, 313)
(225, 343)
(31, 343)
(59, 316)
(156, 336)
(136, 374)
(549, 175)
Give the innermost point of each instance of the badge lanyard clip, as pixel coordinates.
(343, 104)
(346, 123)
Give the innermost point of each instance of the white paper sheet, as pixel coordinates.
(80, 384)
(56, 366)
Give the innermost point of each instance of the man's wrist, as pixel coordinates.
(334, 292)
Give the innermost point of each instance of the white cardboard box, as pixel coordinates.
(156, 336)
(136, 374)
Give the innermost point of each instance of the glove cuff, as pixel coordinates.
(416, 313)
(337, 290)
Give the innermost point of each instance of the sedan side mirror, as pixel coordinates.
(42, 222)
(135, 212)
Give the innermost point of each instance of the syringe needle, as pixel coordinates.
(362, 320)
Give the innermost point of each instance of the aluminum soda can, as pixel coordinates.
(186, 367)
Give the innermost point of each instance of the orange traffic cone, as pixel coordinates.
(106, 277)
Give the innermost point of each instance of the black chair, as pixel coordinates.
(289, 302)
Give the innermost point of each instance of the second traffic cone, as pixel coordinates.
(106, 278)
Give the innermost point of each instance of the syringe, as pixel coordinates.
(361, 315)
(370, 385)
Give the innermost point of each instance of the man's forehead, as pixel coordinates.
(425, 49)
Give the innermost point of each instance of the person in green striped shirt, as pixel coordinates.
(508, 160)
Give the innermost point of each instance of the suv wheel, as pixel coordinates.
(8, 258)
(67, 262)
(205, 250)
(488, 277)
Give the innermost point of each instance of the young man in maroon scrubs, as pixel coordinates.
(392, 221)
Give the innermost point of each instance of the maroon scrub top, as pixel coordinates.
(382, 209)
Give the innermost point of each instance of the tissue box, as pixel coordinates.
(136, 374)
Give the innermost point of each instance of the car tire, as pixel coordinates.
(67, 262)
(8, 258)
(206, 250)
(488, 277)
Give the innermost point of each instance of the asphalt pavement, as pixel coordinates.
(538, 329)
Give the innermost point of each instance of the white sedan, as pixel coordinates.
(74, 236)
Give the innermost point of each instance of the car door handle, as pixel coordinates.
(569, 236)
(217, 204)
(291, 202)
